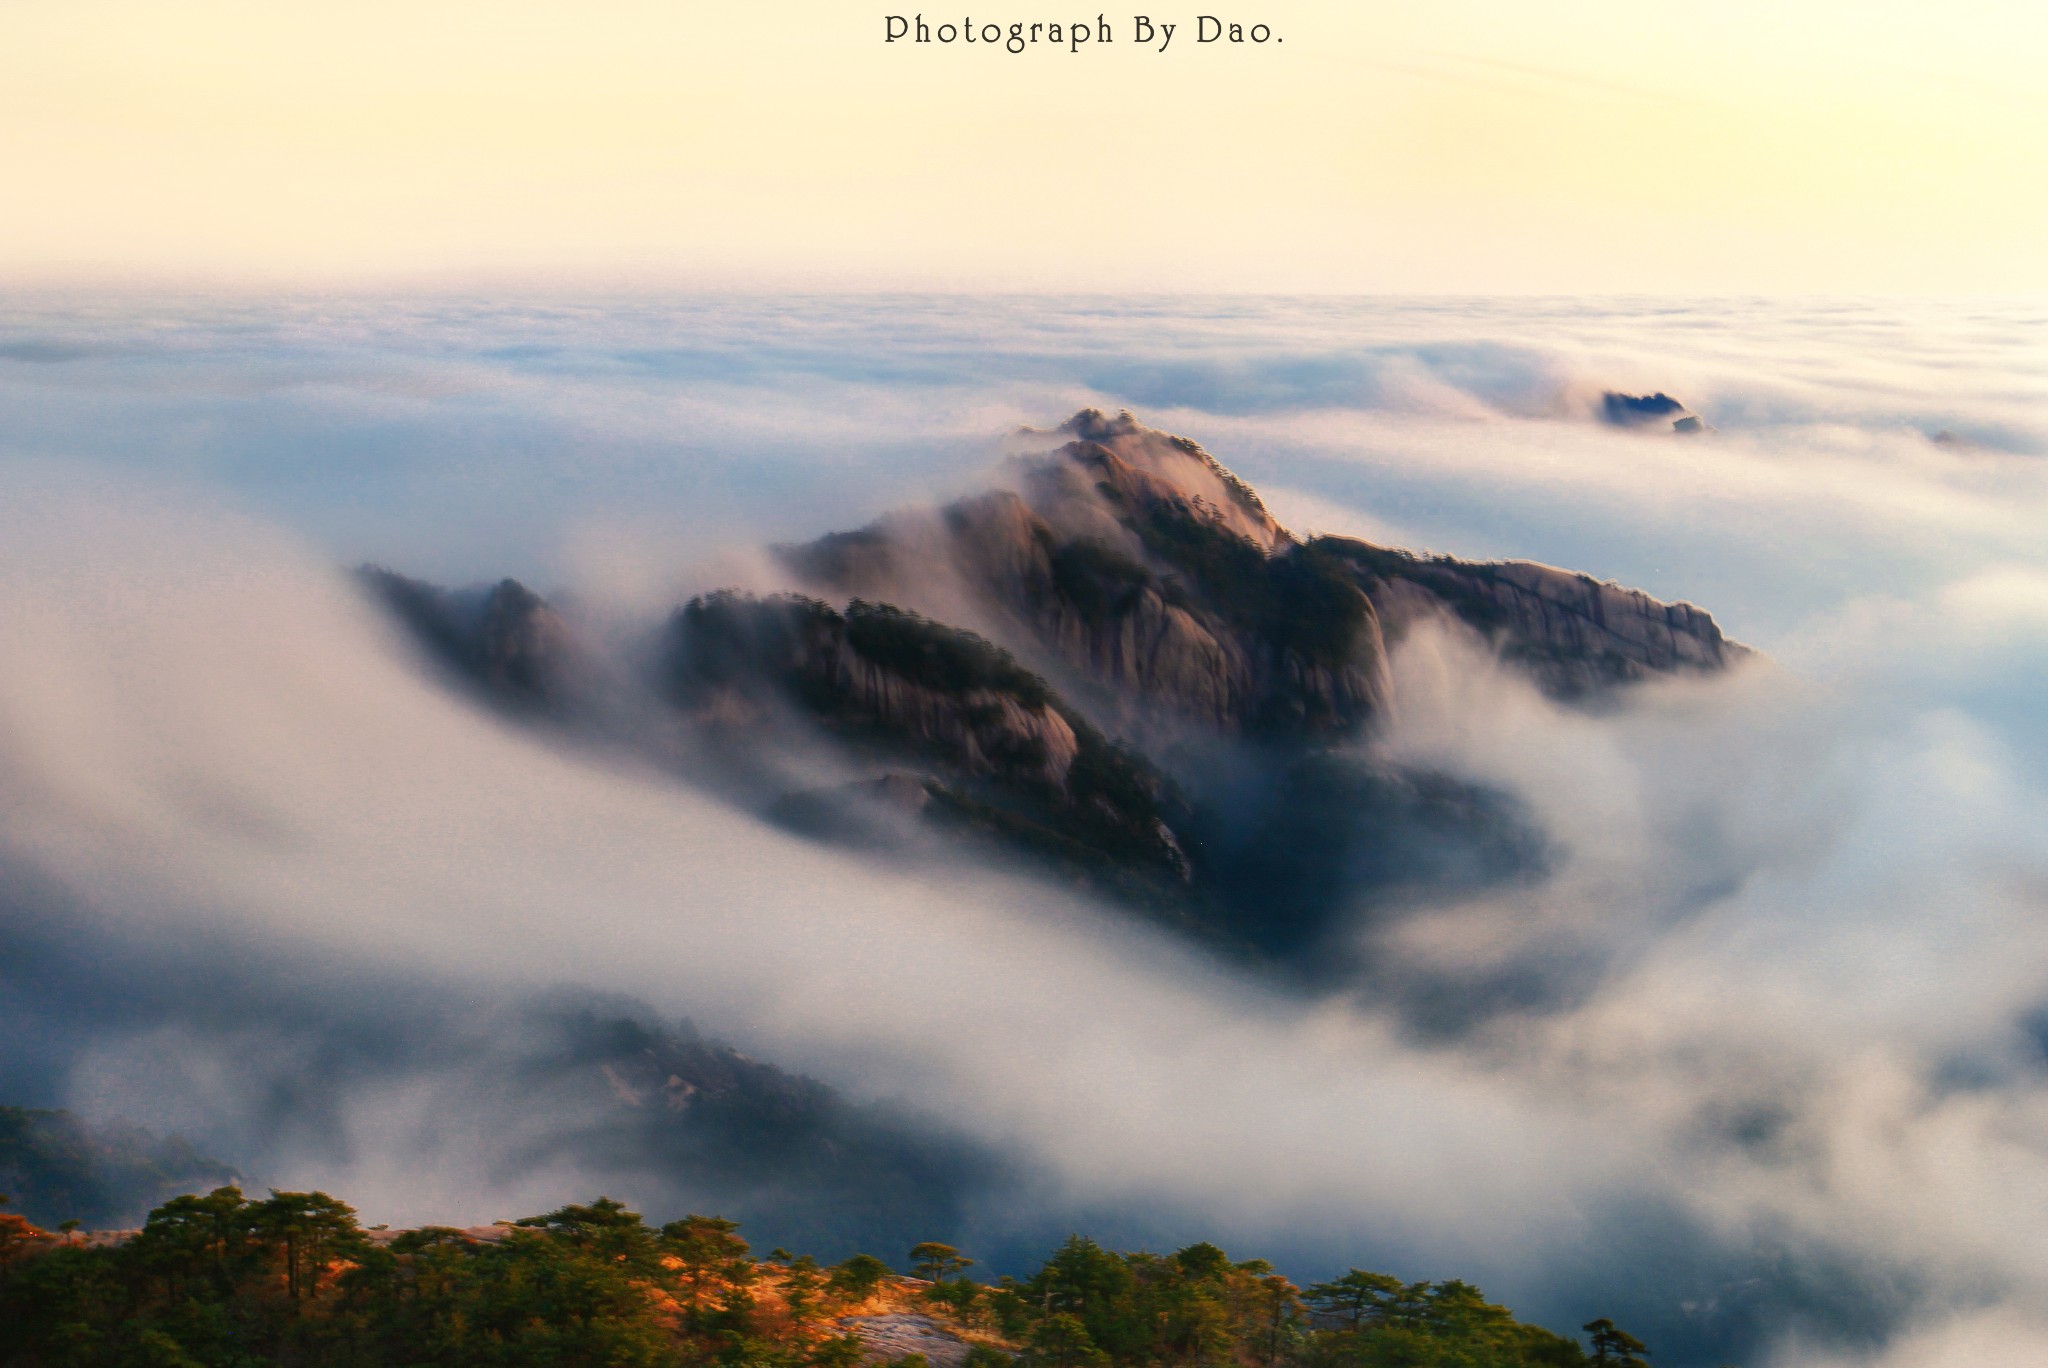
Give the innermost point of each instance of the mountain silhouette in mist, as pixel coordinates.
(1650, 411)
(654, 1102)
(1117, 669)
(56, 1166)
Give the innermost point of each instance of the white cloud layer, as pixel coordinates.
(1794, 977)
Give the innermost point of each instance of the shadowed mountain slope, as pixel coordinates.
(56, 1167)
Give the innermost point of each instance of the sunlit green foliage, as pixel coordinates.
(223, 1281)
(859, 1276)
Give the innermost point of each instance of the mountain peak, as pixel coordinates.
(1118, 666)
(1144, 467)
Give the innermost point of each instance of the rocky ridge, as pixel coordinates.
(1135, 562)
(1156, 701)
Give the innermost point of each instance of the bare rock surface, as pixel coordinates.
(892, 1335)
(1140, 572)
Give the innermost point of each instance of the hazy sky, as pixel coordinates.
(1486, 145)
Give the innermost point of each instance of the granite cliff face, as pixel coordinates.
(1655, 412)
(1573, 634)
(1001, 752)
(1135, 563)
(1157, 700)
(503, 639)
(873, 671)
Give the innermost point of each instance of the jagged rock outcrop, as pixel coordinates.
(1134, 561)
(504, 638)
(1019, 758)
(1146, 468)
(1142, 568)
(1110, 615)
(1650, 411)
(1574, 634)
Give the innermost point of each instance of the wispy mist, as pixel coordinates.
(1757, 1065)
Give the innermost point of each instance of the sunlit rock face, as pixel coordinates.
(874, 670)
(1572, 633)
(1136, 562)
(1162, 693)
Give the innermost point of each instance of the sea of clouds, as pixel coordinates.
(1784, 1093)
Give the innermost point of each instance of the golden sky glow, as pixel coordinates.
(1579, 145)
